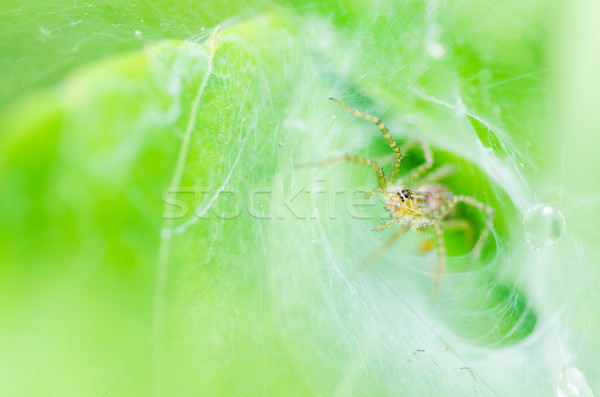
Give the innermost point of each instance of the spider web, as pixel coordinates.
(289, 316)
(479, 116)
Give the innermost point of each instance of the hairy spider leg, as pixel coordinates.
(435, 175)
(398, 154)
(489, 211)
(381, 181)
(441, 260)
(421, 170)
(388, 224)
(441, 250)
(451, 225)
(460, 224)
(379, 251)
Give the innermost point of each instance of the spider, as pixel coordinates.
(422, 209)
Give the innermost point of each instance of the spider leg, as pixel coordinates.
(388, 224)
(398, 154)
(419, 171)
(435, 175)
(460, 224)
(381, 181)
(379, 251)
(489, 211)
(441, 262)
(372, 192)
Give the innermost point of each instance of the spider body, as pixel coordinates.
(423, 209)
(417, 207)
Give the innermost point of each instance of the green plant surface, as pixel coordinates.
(160, 234)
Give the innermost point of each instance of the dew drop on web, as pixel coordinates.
(572, 384)
(543, 226)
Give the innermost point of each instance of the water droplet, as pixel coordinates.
(543, 226)
(571, 383)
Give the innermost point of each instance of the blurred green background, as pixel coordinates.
(157, 237)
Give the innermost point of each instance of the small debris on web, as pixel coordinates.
(470, 371)
(443, 349)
